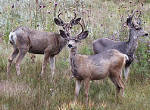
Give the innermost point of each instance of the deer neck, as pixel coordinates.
(73, 64)
(73, 52)
(132, 42)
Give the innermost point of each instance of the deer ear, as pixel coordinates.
(75, 21)
(129, 21)
(63, 34)
(58, 22)
(83, 35)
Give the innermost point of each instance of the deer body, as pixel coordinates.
(95, 67)
(128, 47)
(37, 41)
(26, 40)
(50, 44)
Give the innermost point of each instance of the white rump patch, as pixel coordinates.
(126, 56)
(13, 37)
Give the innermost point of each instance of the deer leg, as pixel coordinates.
(46, 57)
(22, 53)
(126, 73)
(52, 65)
(77, 89)
(32, 56)
(118, 82)
(86, 85)
(11, 58)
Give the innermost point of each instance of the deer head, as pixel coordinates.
(72, 41)
(135, 25)
(67, 26)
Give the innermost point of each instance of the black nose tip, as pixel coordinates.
(69, 45)
(146, 34)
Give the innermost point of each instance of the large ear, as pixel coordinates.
(129, 22)
(58, 22)
(75, 21)
(129, 19)
(63, 34)
(83, 35)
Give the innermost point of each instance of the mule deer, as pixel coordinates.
(127, 47)
(95, 67)
(50, 44)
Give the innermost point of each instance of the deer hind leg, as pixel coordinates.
(22, 53)
(87, 86)
(52, 65)
(32, 56)
(118, 82)
(126, 73)
(11, 58)
(77, 89)
(46, 57)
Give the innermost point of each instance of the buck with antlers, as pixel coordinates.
(127, 47)
(50, 44)
(95, 67)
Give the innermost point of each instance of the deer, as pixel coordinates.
(126, 47)
(86, 68)
(24, 39)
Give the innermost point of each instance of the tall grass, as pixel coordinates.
(103, 18)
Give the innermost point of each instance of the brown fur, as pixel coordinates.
(36, 42)
(107, 64)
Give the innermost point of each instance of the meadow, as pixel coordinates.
(103, 18)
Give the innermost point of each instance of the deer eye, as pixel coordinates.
(76, 40)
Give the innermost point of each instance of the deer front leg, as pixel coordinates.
(11, 58)
(87, 86)
(46, 57)
(22, 53)
(52, 65)
(77, 89)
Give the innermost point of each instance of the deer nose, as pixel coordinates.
(69, 45)
(146, 34)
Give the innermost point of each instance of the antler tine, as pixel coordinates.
(59, 16)
(75, 15)
(133, 13)
(139, 21)
(140, 14)
(81, 27)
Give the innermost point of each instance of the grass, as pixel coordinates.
(102, 18)
(31, 92)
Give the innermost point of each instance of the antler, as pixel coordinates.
(81, 27)
(140, 13)
(133, 13)
(75, 15)
(81, 31)
(59, 16)
(129, 19)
